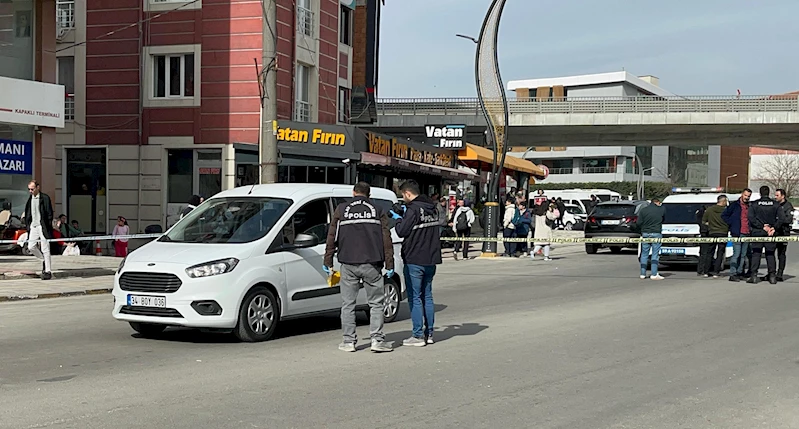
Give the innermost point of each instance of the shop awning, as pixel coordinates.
(417, 167)
(473, 154)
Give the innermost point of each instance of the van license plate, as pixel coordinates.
(671, 251)
(147, 301)
(611, 222)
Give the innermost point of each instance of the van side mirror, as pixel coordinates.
(302, 241)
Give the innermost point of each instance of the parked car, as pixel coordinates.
(574, 218)
(795, 226)
(243, 261)
(613, 219)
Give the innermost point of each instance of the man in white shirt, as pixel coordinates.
(39, 219)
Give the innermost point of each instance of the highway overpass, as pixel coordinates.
(769, 121)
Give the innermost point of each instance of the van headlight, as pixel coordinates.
(212, 268)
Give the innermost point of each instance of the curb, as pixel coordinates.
(84, 272)
(56, 295)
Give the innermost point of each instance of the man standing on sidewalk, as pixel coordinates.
(785, 231)
(713, 261)
(765, 219)
(650, 223)
(737, 217)
(360, 233)
(421, 252)
(39, 219)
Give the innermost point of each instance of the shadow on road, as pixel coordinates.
(440, 335)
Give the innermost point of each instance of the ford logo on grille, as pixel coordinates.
(150, 264)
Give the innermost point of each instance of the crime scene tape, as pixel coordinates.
(627, 240)
(87, 238)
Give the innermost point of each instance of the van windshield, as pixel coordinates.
(228, 220)
(683, 213)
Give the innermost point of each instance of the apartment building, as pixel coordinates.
(163, 98)
(31, 104)
(684, 166)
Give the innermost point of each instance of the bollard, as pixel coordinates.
(97, 249)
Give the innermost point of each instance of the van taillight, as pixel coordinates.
(631, 219)
(591, 219)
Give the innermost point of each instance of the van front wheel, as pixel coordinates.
(259, 316)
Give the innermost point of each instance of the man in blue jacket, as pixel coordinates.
(421, 252)
(737, 217)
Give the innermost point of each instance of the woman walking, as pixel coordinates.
(545, 216)
(121, 244)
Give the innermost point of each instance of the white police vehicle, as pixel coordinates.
(682, 209)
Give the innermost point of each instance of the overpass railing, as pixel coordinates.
(642, 104)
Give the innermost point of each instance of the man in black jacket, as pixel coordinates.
(360, 233)
(787, 216)
(765, 219)
(39, 219)
(421, 252)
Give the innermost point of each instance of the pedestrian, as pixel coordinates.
(650, 223)
(765, 219)
(421, 252)
(121, 229)
(461, 223)
(194, 201)
(39, 219)
(359, 233)
(704, 248)
(736, 215)
(787, 221)
(546, 215)
(509, 221)
(524, 228)
(561, 210)
(592, 203)
(718, 228)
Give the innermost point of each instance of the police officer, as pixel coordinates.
(765, 220)
(360, 233)
(787, 219)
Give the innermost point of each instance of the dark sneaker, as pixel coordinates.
(382, 346)
(47, 275)
(734, 279)
(455, 256)
(753, 280)
(772, 279)
(780, 278)
(429, 339)
(414, 342)
(347, 347)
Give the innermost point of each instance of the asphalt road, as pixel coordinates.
(579, 342)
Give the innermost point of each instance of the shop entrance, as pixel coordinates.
(191, 172)
(86, 189)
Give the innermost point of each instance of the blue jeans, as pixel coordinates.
(740, 252)
(419, 282)
(655, 248)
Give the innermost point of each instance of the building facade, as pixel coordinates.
(682, 166)
(31, 104)
(164, 99)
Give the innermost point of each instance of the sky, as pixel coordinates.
(695, 47)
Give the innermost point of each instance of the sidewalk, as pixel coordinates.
(13, 267)
(27, 288)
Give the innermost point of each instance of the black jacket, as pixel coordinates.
(46, 211)
(419, 227)
(360, 232)
(762, 212)
(787, 218)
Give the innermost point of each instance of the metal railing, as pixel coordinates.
(305, 21)
(598, 170)
(69, 107)
(641, 104)
(302, 111)
(562, 170)
(65, 14)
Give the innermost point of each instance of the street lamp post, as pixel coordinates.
(727, 182)
(493, 102)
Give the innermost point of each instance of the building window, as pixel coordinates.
(343, 104)
(167, 5)
(345, 26)
(302, 105)
(304, 17)
(173, 76)
(65, 14)
(66, 77)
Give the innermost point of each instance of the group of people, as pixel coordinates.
(535, 223)
(360, 236)
(763, 218)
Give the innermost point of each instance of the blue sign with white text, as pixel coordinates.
(16, 157)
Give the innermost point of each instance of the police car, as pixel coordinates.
(682, 209)
(795, 226)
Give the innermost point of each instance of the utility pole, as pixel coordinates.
(267, 150)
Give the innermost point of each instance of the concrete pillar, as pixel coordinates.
(44, 140)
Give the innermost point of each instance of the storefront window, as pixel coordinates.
(16, 39)
(179, 188)
(316, 175)
(336, 175)
(14, 186)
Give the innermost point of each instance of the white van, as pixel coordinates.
(681, 220)
(243, 260)
(579, 197)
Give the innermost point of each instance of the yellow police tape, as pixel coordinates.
(628, 240)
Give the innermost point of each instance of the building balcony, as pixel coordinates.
(69, 107)
(305, 21)
(65, 17)
(302, 111)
